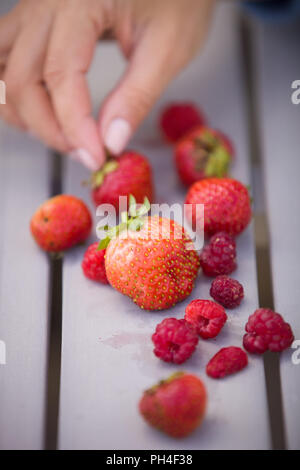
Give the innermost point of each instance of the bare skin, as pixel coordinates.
(46, 49)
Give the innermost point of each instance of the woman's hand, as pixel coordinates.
(47, 46)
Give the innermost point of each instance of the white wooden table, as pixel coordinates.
(106, 356)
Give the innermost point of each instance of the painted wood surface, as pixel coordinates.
(277, 60)
(24, 184)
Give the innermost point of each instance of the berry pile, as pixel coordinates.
(156, 264)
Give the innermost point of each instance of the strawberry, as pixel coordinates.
(227, 205)
(60, 223)
(202, 153)
(150, 259)
(175, 406)
(179, 118)
(128, 174)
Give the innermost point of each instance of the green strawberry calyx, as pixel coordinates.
(98, 176)
(211, 156)
(132, 220)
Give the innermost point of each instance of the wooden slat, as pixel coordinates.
(107, 358)
(23, 292)
(277, 51)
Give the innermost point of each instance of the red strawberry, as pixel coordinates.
(202, 153)
(60, 223)
(226, 362)
(175, 406)
(227, 205)
(179, 118)
(128, 174)
(93, 264)
(154, 262)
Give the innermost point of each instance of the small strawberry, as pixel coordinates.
(202, 153)
(227, 205)
(226, 362)
(129, 174)
(175, 406)
(179, 118)
(150, 259)
(93, 264)
(60, 223)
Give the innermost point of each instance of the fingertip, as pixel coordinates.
(117, 135)
(85, 157)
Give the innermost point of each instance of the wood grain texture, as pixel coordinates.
(23, 292)
(277, 59)
(107, 358)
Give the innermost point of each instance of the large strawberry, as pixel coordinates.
(150, 259)
(128, 174)
(227, 205)
(179, 118)
(202, 153)
(175, 406)
(60, 223)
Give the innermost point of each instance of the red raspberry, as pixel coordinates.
(93, 264)
(179, 118)
(227, 361)
(227, 291)
(206, 316)
(174, 340)
(267, 330)
(219, 256)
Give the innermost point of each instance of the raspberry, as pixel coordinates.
(174, 340)
(93, 264)
(206, 316)
(267, 330)
(227, 291)
(227, 361)
(219, 256)
(179, 118)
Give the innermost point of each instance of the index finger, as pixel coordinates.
(69, 56)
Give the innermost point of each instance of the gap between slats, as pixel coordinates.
(262, 241)
(55, 325)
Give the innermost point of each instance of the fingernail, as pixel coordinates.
(117, 135)
(85, 158)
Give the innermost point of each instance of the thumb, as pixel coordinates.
(151, 67)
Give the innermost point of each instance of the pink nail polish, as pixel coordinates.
(85, 158)
(117, 135)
